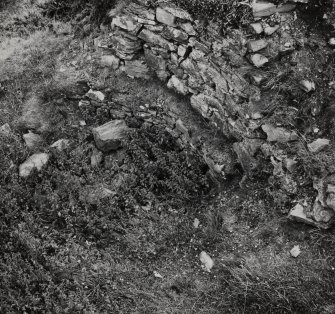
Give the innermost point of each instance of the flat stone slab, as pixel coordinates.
(318, 145)
(109, 136)
(156, 39)
(165, 17)
(256, 45)
(176, 11)
(61, 144)
(279, 134)
(298, 214)
(34, 162)
(262, 9)
(127, 23)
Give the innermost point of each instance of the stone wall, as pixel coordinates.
(218, 70)
(191, 58)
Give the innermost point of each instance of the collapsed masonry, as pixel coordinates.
(220, 74)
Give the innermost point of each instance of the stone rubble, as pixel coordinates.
(214, 71)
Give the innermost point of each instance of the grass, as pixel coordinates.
(62, 254)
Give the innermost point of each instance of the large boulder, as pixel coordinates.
(110, 135)
(34, 162)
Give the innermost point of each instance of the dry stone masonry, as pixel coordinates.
(219, 74)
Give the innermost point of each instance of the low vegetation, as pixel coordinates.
(63, 253)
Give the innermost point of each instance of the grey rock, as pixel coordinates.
(176, 11)
(202, 103)
(193, 42)
(126, 46)
(301, 214)
(61, 145)
(256, 28)
(5, 130)
(261, 9)
(190, 67)
(34, 162)
(188, 28)
(182, 49)
(307, 85)
(332, 41)
(110, 61)
(318, 145)
(178, 85)
(171, 33)
(268, 30)
(155, 28)
(165, 17)
(279, 134)
(110, 135)
(156, 39)
(256, 45)
(95, 95)
(258, 60)
(290, 164)
(33, 141)
(321, 214)
(126, 23)
(197, 54)
(140, 11)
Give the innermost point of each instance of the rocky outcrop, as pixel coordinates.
(220, 74)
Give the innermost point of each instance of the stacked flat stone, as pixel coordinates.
(198, 61)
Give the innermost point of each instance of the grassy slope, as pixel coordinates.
(62, 255)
